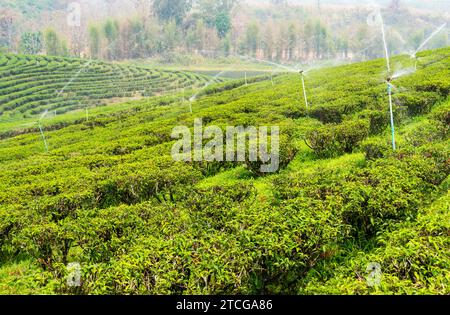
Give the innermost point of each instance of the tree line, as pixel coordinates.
(170, 28)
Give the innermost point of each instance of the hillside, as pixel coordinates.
(109, 196)
(33, 85)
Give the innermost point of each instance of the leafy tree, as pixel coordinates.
(223, 24)
(94, 41)
(252, 38)
(268, 42)
(167, 10)
(52, 42)
(292, 40)
(64, 49)
(8, 27)
(226, 45)
(308, 42)
(217, 14)
(111, 31)
(195, 35)
(31, 43)
(320, 39)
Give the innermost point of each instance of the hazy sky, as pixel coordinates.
(424, 4)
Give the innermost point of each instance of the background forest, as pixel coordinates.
(186, 30)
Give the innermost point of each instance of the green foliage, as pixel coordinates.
(334, 140)
(327, 114)
(31, 43)
(418, 103)
(174, 9)
(425, 132)
(375, 149)
(30, 85)
(414, 259)
(223, 24)
(53, 45)
(94, 41)
(379, 120)
(109, 195)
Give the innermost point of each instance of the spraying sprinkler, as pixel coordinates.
(43, 137)
(194, 97)
(391, 110)
(376, 19)
(414, 57)
(39, 123)
(302, 74)
(429, 38)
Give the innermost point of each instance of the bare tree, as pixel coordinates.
(8, 20)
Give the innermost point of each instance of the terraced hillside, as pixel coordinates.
(109, 196)
(31, 85)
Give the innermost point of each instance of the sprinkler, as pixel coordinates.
(43, 136)
(302, 74)
(376, 19)
(413, 56)
(427, 40)
(39, 123)
(391, 110)
(194, 97)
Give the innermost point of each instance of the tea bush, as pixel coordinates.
(331, 141)
(109, 196)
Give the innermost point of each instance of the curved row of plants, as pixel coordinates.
(109, 196)
(32, 84)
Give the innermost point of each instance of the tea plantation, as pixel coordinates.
(31, 85)
(109, 196)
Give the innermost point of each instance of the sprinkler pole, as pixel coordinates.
(304, 89)
(43, 137)
(394, 147)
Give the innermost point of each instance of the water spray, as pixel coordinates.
(194, 97)
(414, 54)
(39, 122)
(43, 137)
(437, 31)
(376, 19)
(391, 110)
(386, 50)
(302, 74)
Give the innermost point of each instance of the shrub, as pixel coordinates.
(442, 115)
(331, 141)
(374, 149)
(425, 132)
(388, 191)
(378, 120)
(327, 114)
(416, 102)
